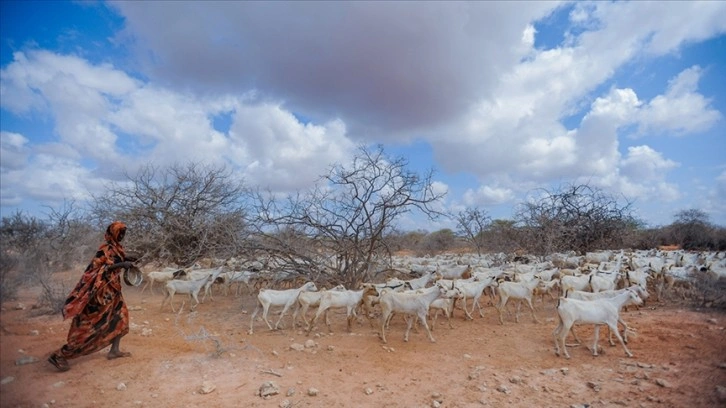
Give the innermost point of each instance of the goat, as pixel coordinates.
(188, 287)
(162, 276)
(307, 299)
(600, 283)
(244, 277)
(597, 312)
(549, 274)
(349, 299)
(217, 277)
(371, 299)
(272, 297)
(547, 287)
(422, 281)
(579, 295)
(569, 282)
(474, 290)
(411, 303)
(520, 291)
(455, 271)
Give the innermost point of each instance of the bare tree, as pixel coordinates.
(471, 224)
(342, 222)
(692, 229)
(577, 217)
(179, 213)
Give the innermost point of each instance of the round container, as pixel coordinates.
(133, 276)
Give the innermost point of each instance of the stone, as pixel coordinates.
(207, 387)
(595, 386)
(503, 389)
(297, 347)
(516, 380)
(121, 387)
(290, 392)
(267, 389)
(313, 391)
(721, 393)
(26, 360)
(285, 404)
(7, 380)
(310, 344)
(662, 383)
(368, 391)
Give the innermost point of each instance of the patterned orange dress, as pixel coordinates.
(96, 304)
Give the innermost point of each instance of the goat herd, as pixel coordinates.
(590, 289)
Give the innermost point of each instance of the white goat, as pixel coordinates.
(639, 277)
(597, 312)
(349, 299)
(217, 277)
(568, 282)
(188, 287)
(409, 303)
(579, 295)
(284, 298)
(549, 274)
(600, 281)
(473, 290)
(162, 277)
(551, 287)
(307, 299)
(240, 278)
(517, 290)
(422, 281)
(455, 271)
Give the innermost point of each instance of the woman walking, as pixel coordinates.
(96, 304)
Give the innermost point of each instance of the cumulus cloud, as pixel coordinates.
(681, 109)
(301, 83)
(644, 163)
(13, 150)
(385, 68)
(486, 196)
(108, 123)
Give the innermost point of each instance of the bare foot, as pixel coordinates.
(117, 354)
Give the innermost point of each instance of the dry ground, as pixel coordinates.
(680, 360)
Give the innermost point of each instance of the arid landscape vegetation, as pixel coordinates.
(344, 232)
(206, 358)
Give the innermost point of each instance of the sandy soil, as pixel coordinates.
(680, 361)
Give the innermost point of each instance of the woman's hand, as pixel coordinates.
(124, 265)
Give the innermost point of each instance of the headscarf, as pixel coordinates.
(92, 279)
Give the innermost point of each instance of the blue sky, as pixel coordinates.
(500, 98)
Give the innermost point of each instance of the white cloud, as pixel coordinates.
(681, 109)
(122, 126)
(486, 196)
(644, 163)
(13, 150)
(386, 69)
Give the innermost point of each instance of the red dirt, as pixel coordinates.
(683, 350)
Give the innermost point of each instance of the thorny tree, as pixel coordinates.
(574, 217)
(340, 224)
(179, 213)
(472, 223)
